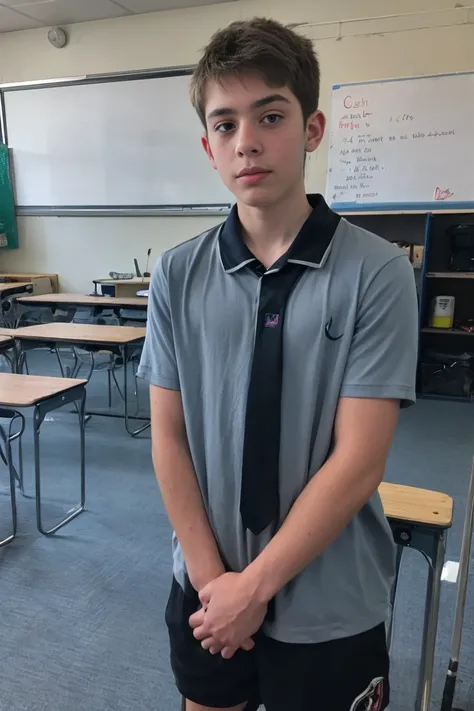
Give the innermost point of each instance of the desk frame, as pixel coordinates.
(76, 395)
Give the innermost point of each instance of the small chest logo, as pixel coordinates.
(327, 331)
(272, 320)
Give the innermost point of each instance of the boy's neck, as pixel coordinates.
(268, 232)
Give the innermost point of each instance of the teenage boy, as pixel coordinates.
(280, 347)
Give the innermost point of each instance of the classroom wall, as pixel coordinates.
(356, 41)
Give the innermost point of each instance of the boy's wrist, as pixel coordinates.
(204, 574)
(260, 581)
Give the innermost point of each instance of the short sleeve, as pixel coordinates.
(383, 355)
(158, 361)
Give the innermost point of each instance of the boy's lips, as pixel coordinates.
(253, 175)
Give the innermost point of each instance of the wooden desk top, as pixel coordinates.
(83, 300)
(25, 275)
(26, 390)
(136, 281)
(407, 503)
(81, 333)
(5, 286)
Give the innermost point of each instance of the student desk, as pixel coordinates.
(44, 394)
(420, 519)
(119, 340)
(8, 293)
(98, 304)
(9, 288)
(125, 287)
(35, 280)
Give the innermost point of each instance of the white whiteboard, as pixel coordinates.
(121, 143)
(405, 143)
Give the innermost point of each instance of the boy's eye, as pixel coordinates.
(224, 127)
(272, 118)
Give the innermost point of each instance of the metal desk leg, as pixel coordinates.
(142, 428)
(10, 359)
(74, 373)
(430, 627)
(16, 357)
(70, 371)
(40, 412)
(13, 474)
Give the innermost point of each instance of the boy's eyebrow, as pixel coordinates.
(226, 111)
(269, 100)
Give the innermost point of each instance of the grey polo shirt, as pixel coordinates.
(350, 330)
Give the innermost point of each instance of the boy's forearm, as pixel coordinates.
(184, 505)
(321, 512)
(363, 433)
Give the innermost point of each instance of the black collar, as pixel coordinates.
(310, 247)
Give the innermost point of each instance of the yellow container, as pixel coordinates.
(442, 312)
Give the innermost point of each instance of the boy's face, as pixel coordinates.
(256, 139)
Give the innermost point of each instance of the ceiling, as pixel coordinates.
(28, 14)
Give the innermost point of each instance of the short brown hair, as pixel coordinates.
(261, 46)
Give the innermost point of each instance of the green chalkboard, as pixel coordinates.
(8, 230)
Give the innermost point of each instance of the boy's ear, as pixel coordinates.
(207, 148)
(315, 127)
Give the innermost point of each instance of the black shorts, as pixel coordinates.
(349, 674)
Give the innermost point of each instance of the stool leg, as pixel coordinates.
(393, 596)
(12, 485)
(433, 590)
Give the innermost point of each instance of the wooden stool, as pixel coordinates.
(420, 519)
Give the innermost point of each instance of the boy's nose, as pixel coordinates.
(247, 141)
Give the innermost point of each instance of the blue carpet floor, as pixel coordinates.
(82, 624)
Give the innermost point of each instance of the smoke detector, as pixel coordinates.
(58, 37)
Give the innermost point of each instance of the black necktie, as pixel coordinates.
(259, 499)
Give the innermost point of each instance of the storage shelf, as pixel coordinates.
(450, 275)
(447, 331)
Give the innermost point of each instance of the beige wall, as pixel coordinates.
(357, 40)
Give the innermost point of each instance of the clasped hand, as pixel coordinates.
(230, 615)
